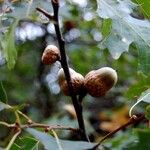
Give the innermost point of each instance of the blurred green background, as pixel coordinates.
(34, 84)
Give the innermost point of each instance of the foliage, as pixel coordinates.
(9, 48)
(144, 7)
(125, 30)
(25, 143)
(145, 97)
(91, 30)
(3, 96)
(50, 143)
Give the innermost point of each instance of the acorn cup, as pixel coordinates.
(77, 81)
(50, 55)
(98, 82)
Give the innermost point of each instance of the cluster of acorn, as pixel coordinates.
(96, 83)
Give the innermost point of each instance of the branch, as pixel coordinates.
(64, 64)
(7, 124)
(133, 120)
(25, 116)
(49, 127)
(49, 16)
(38, 125)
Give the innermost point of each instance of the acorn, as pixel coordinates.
(77, 81)
(98, 82)
(50, 55)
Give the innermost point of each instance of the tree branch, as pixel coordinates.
(7, 124)
(133, 120)
(49, 16)
(49, 127)
(65, 67)
(38, 125)
(64, 64)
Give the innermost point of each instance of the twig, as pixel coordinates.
(17, 117)
(49, 16)
(49, 127)
(65, 67)
(39, 125)
(132, 120)
(64, 64)
(25, 116)
(7, 124)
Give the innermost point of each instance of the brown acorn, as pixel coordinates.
(76, 79)
(98, 82)
(50, 55)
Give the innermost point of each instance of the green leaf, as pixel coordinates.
(3, 95)
(144, 6)
(50, 143)
(144, 54)
(106, 27)
(15, 147)
(138, 87)
(143, 139)
(148, 112)
(25, 143)
(125, 30)
(145, 97)
(9, 47)
(4, 106)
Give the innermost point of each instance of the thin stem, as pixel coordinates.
(38, 125)
(7, 124)
(25, 116)
(132, 120)
(57, 140)
(12, 140)
(65, 67)
(45, 13)
(17, 117)
(49, 127)
(64, 64)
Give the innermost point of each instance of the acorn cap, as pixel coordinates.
(99, 82)
(50, 55)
